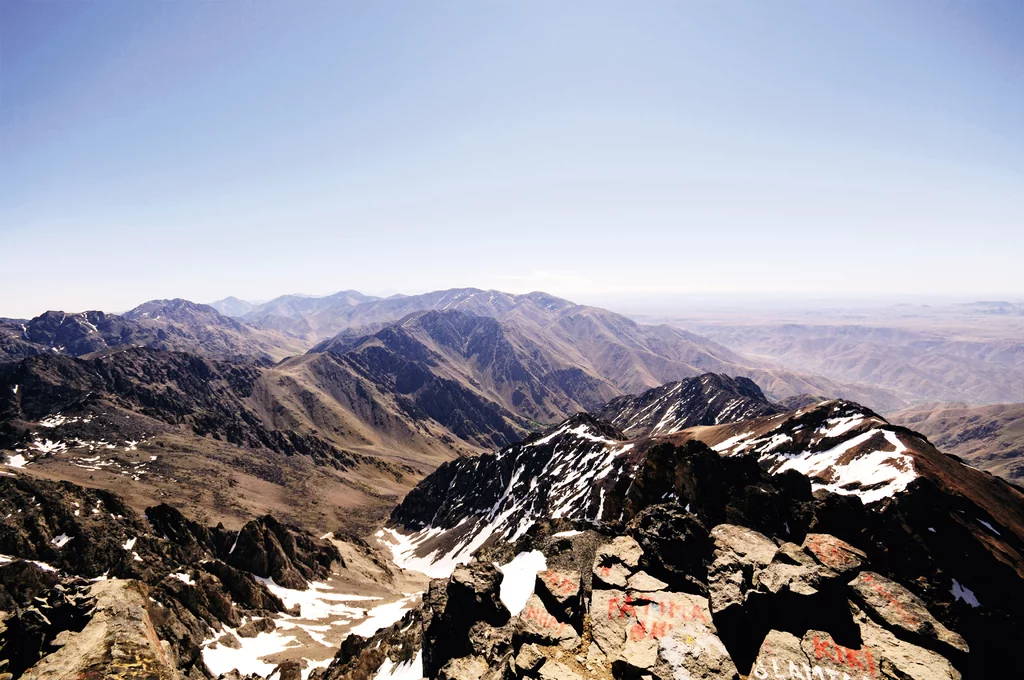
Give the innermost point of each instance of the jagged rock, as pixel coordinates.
(901, 611)
(119, 641)
(451, 607)
(676, 546)
(476, 586)
(642, 582)
(739, 552)
(529, 659)
(662, 633)
(254, 627)
(489, 642)
(836, 554)
(561, 593)
(267, 549)
(614, 562)
(554, 670)
(818, 655)
(21, 580)
(538, 625)
(230, 641)
(288, 670)
(464, 668)
(792, 571)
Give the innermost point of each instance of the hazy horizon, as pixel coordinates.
(591, 150)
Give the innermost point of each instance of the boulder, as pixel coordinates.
(834, 553)
(540, 626)
(793, 571)
(489, 642)
(554, 670)
(529, 659)
(642, 582)
(561, 592)
(665, 634)
(475, 591)
(817, 656)
(615, 562)
(902, 612)
(739, 553)
(288, 670)
(254, 627)
(464, 668)
(676, 546)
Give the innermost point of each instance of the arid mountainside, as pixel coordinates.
(973, 356)
(990, 438)
(177, 325)
(601, 344)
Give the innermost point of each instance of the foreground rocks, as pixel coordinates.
(119, 640)
(162, 577)
(754, 607)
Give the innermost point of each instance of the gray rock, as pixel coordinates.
(900, 610)
(251, 629)
(554, 670)
(539, 625)
(645, 583)
(464, 668)
(561, 592)
(614, 562)
(818, 657)
(529, 659)
(664, 634)
(792, 570)
(739, 554)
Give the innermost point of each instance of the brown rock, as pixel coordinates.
(554, 670)
(836, 554)
(539, 625)
(529, 659)
(900, 610)
(118, 640)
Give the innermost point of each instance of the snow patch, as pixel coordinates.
(407, 670)
(965, 594)
(518, 578)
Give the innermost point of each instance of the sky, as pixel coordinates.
(254, 148)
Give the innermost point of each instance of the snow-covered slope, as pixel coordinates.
(710, 399)
(468, 503)
(843, 447)
(587, 471)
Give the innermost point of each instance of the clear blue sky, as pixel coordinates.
(201, 149)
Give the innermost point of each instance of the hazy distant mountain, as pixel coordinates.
(306, 317)
(232, 306)
(159, 324)
(931, 363)
(990, 438)
(607, 346)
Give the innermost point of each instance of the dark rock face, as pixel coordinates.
(709, 399)
(266, 548)
(203, 396)
(174, 325)
(194, 579)
(766, 552)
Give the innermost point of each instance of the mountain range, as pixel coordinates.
(567, 476)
